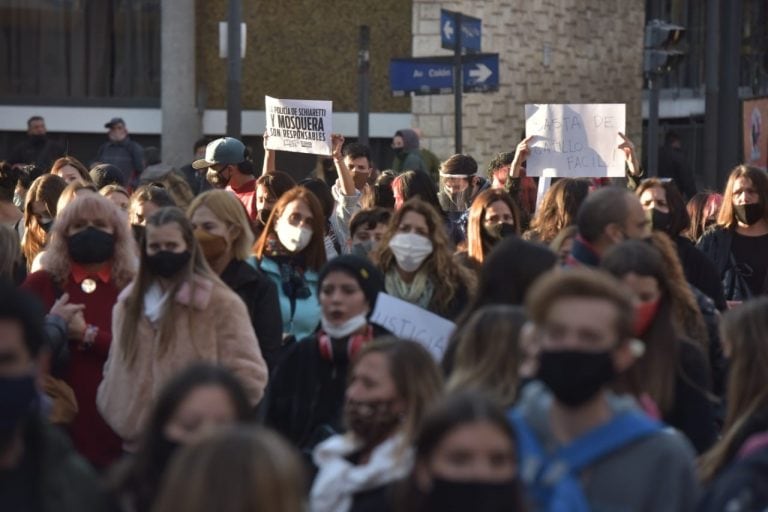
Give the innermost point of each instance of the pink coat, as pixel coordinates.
(213, 327)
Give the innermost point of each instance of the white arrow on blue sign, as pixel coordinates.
(471, 31)
(434, 75)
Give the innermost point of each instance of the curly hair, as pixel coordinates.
(446, 273)
(56, 259)
(558, 209)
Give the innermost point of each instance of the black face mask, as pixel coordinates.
(216, 178)
(37, 140)
(264, 216)
(165, 450)
(575, 376)
(660, 221)
(462, 496)
(748, 214)
(167, 264)
(496, 232)
(91, 245)
(138, 231)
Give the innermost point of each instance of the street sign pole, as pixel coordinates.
(234, 70)
(363, 84)
(457, 77)
(653, 127)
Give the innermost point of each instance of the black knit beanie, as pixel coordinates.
(370, 278)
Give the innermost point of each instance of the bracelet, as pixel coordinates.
(89, 338)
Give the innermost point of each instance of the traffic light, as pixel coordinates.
(662, 46)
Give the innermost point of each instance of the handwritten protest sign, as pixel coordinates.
(575, 141)
(411, 322)
(300, 126)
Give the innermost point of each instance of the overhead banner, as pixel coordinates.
(755, 121)
(299, 126)
(575, 141)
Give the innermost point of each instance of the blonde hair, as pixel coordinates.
(229, 210)
(487, 352)
(56, 258)
(745, 329)
(72, 190)
(234, 470)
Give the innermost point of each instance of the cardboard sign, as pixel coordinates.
(411, 322)
(575, 141)
(299, 126)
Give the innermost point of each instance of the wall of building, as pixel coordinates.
(551, 51)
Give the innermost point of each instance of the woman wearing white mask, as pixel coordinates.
(306, 395)
(418, 265)
(290, 251)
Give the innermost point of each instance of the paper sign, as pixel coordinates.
(299, 126)
(576, 141)
(411, 322)
(755, 134)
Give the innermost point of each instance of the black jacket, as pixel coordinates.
(260, 296)
(740, 488)
(716, 244)
(40, 152)
(700, 271)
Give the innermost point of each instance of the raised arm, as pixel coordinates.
(269, 157)
(521, 155)
(633, 166)
(346, 183)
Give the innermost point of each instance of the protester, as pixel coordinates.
(465, 459)
(39, 470)
(145, 201)
(196, 177)
(583, 324)
(382, 194)
(484, 353)
(117, 195)
(11, 264)
(558, 209)
(290, 251)
(27, 175)
(40, 208)
(269, 188)
(431, 162)
(663, 202)
(348, 189)
(90, 257)
(405, 144)
(498, 170)
(418, 263)
(703, 209)
(392, 383)
(10, 214)
(519, 185)
(673, 371)
(103, 175)
(412, 184)
(240, 470)
(332, 238)
(223, 231)
(492, 217)
(230, 167)
(459, 185)
(70, 169)
(176, 311)
(366, 230)
(306, 394)
(744, 331)
(37, 148)
(739, 242)
(562, 244)
(607, 217)
(190, 405)
(75, 189)
(121, 151)
(357, 158)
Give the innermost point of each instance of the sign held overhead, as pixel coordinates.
(299, 126)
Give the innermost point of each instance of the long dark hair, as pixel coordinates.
(412, 184)
(138, 478)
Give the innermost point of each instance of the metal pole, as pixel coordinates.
(711, 64)
(653, 127)
(234, 70)
(729, 108)
(363, 84)
(457, 79)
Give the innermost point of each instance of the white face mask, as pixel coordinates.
(410, 250)
(345, 329)
(293, 238)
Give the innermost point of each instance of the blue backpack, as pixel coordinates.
(553, 480)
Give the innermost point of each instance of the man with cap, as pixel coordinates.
(121, 151)
(306, 395)
(229, 167)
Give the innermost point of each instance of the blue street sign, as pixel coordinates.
(434, 75)
(471, 31)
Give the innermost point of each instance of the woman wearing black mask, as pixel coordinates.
(392, 383)
(492, 216)
(176, 312)
(466, 459)
(194, 402)
(738, 245)
(91, 257)
(666, 210)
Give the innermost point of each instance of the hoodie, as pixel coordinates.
(653, 473)
(410, 158)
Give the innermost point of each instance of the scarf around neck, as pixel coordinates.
(419, 291)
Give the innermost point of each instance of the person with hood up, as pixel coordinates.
(405, 143)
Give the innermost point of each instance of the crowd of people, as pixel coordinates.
(205, 338)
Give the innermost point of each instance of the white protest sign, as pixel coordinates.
(408, 321)
(575, 141)
(299, 126)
